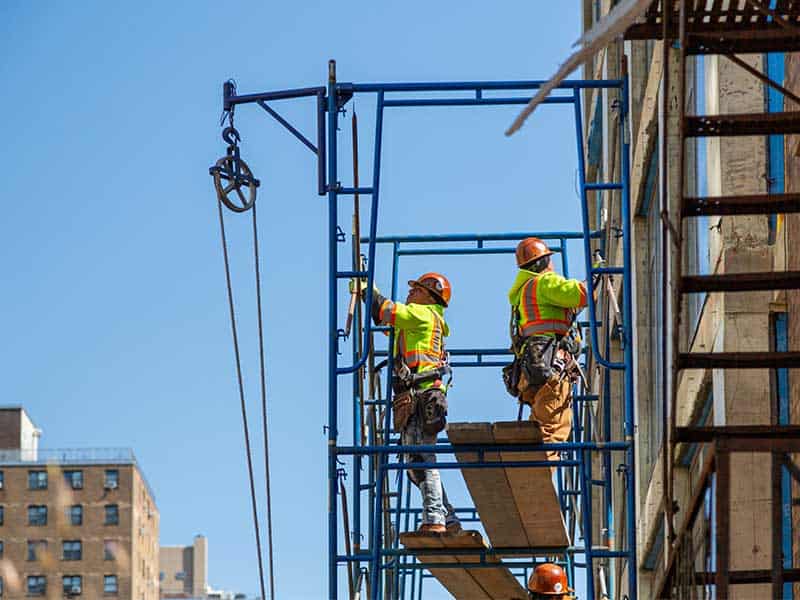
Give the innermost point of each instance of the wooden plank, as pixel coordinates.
(467, 584)
(533, 489)
(489, 488)
(518, 507)
(457, 581)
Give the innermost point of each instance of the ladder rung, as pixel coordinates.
(741, 282)
(753, 204)
(739, 360)
(742, 124)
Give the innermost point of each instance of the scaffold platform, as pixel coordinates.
(478, 583)
(518, 507)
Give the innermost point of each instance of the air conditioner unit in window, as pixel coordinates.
(75, 590)
(111, 485)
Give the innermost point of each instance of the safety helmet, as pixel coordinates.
(549, 580)
(436, 284)
(531, 249)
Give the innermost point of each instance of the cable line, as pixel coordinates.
(241, 399)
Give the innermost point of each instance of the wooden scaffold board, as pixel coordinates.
(484, 583)
(518, 506)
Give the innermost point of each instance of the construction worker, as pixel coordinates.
(549, 582)
(543, 307)
(419, 405)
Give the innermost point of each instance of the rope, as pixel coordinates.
(241, 399)
(264, 408)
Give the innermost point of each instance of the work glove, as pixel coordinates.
(354, 287)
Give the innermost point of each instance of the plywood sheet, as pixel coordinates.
(518, 507)
(466, 584)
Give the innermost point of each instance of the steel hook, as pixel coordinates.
(231, 136)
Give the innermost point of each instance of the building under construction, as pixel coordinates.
(680, 477)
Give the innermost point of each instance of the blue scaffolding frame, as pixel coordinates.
(393, 571)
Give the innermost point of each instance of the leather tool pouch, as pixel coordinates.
(432, 405)
(403, 406)
(537, 359)
(511, 373)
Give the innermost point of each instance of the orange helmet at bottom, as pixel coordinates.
(436, 284)
(549, 580)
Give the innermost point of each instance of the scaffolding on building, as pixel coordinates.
(368, 506)
(696, 28)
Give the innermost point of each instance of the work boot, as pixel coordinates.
(432, 529)
(454, 527)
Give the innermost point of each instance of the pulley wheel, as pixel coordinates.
(235, 184)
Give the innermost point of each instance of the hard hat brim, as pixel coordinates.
(437, 295)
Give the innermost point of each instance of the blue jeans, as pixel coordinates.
(436, 509)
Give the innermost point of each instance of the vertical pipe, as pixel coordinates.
(377, 529)
(332, 335)
(405, 558)
(721, 578)
(627, 310)
(564, 261)
(608, 497)
(586, 518)
(321, 154)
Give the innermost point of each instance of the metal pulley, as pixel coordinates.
(236, 187)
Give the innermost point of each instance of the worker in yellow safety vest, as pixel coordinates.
(543, 307)
(419, 405)
(549, 582)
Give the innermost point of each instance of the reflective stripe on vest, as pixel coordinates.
(429, 355)
(531, 321)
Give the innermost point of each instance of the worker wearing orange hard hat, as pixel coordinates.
(419, 405)
(543, 307)
(549, 582)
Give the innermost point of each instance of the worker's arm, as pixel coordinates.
(394, 314)
(560, 291)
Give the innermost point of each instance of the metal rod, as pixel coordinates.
(288, 126)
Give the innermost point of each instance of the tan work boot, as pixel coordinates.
(432, 529)
(454, 528)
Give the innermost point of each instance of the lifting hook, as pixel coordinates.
(233, 180)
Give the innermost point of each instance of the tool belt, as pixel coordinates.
(429, 405)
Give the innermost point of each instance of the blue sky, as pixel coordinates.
(114, 309)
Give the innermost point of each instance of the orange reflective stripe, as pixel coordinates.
(545, 326)
(389, 306)
(582, 300)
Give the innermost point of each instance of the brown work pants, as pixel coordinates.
(551, 409)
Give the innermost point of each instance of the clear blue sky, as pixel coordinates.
(114, 311)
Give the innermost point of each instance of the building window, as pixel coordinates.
(161, 576)
(37, 515)
(2, 480)
(37, 480)
(36, 549)
(74, 479)
(2, 514)
(37, 585)
(109, 549)
(71, 585)
(2, 548)
(180, 576)
(71, 550)
(1, 586)
(112, 479)
(112, 514)
(75, 514)
(110, 584)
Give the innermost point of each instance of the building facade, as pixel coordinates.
(74, 523)
(758, 322)
(183, 570)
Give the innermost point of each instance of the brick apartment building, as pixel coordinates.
(73, 523)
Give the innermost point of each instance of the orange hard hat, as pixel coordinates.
(436, 284)
(549, 580)
(531, 249)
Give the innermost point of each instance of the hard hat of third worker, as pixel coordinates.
(531, 249)
(436, 284)
(549, 580)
